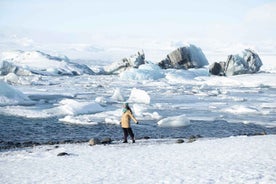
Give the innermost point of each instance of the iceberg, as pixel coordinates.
(147, 71)
(174, 121)
(247, 62)
(117, 95)
(133, 61)
(11, 96)
(139, 96)
(73, 107)
(37, 62)
(184, 58)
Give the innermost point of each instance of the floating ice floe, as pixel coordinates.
(240, 109)
(112, 120)
(101, 100)
(108, 117)
(77, 120)
(147, 71)
(11, 78)
(73, 107)
(180, 76)
(117, 95)
(142, 110)
(139, 96)
(174, 121)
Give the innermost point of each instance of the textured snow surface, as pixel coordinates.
(228, 160)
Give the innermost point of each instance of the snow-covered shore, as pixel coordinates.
(229, 160)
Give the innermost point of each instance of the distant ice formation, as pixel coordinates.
(184, 58)
(37, 62)
(246, 62)
(135, 67)
(133, 61)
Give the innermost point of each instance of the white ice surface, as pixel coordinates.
(139, 96)
(239, 109)
(229, 160)
(77, 120)
(243, 98)
(144, 72)
(174, 121)
(117, 95)
(73, 107)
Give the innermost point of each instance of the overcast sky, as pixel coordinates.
(141, 23)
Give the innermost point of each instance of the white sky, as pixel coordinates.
(145, 24)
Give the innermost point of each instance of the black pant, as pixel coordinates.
(128, 131)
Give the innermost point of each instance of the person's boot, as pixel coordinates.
(133, 141)
(125, 141)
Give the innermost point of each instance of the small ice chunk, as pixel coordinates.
(139, 96)
(73, 107)
(174, 121)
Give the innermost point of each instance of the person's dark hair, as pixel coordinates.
(128, 108)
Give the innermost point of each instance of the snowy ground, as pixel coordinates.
(228, 160)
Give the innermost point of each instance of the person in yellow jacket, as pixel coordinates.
(125, 122)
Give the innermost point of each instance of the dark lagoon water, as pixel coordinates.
(24, 132)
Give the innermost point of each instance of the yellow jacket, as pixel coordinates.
(125, 120)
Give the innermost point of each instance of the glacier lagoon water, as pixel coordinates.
(22, 132)
(216, 107)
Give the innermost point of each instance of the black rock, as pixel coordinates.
(106, 140)
(193, 138)
(257, 133)
(179, 141)
(63, 154)
(94, 141)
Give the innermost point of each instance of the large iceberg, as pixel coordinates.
(246, 62)
(184, 58)
(37, 62)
